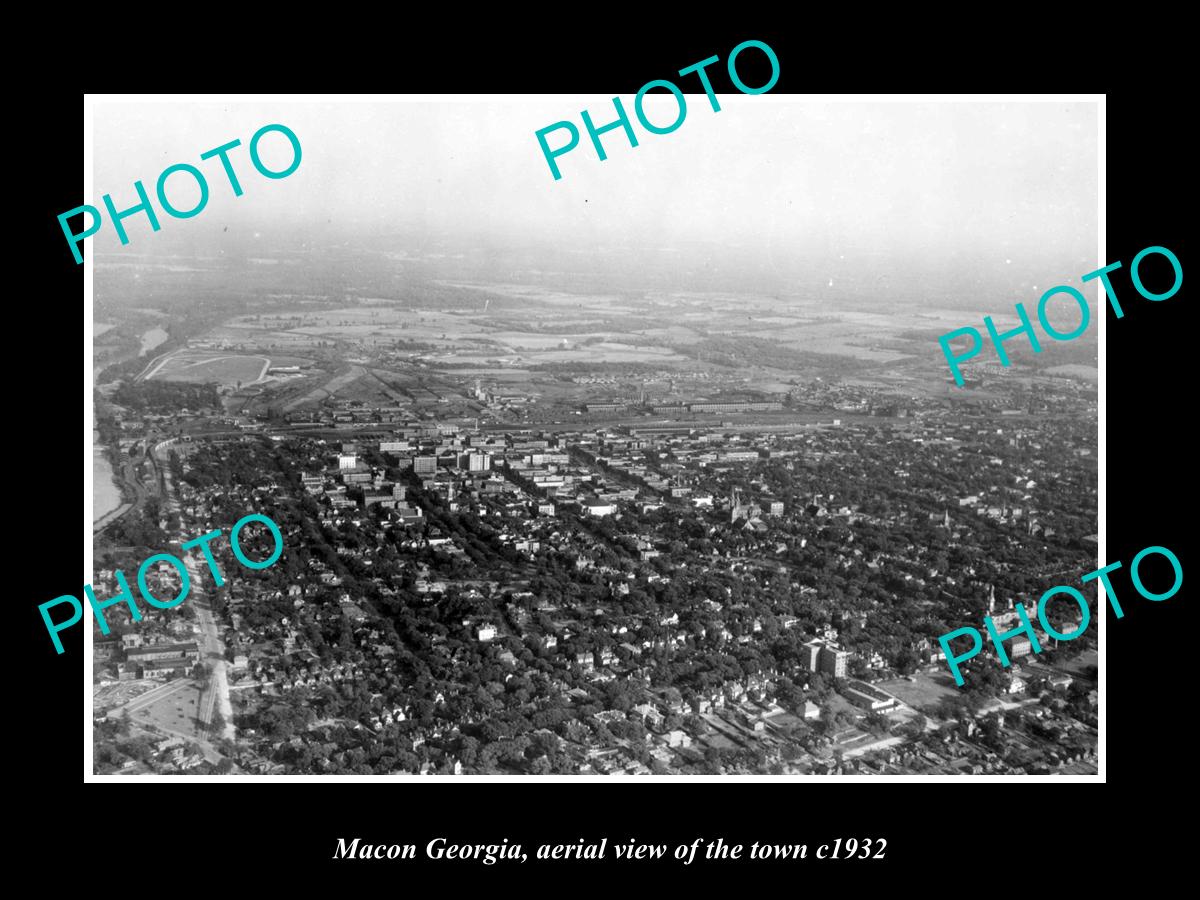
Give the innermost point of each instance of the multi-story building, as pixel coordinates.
(769, 406)
(607, 407)
(834, 662)
(810, 655)
(153, 652)
(475, 462)
(819, 656)
(869, 697)
(177, 665)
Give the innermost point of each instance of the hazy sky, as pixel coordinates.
(901, 183)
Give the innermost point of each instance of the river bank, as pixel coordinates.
(106, 494)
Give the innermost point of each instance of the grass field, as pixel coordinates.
(220, 368)
(175, 712)
(927, 690)
(1074, 370)
(558, 328)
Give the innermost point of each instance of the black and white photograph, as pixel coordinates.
(546, 451)
(422, 446)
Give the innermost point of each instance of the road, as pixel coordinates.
(207, 750)
(881, 744)
(160, 359)
(109, 517)
(141, 701)
(158, 694)
(251, 685)
(212, 649)
(592, 423)
(128, 474)
(162, 692)
(158, 362)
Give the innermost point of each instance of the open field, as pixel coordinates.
(1075, 667)
(1081, 662)
(424, 344)
(927, 690)
(209, 366)
(535, 294)
(175, 712)
(457, 338)
(325, 388)
(1074, 370)
(557, 327)
(169, 706)
(591, 353)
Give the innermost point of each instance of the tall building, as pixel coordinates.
(834, 662)
(425, 465)
(347, 461)
(818, 656)
(475, 462)
(810, 655)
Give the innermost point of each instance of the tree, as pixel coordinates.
(878, 723)
(915, 727)
(817, 684)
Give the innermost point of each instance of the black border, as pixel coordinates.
(947, 832)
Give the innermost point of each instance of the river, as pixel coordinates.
(152, 339)
(105, 495)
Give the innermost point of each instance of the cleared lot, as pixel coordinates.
(927, 690)
(175, 711)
